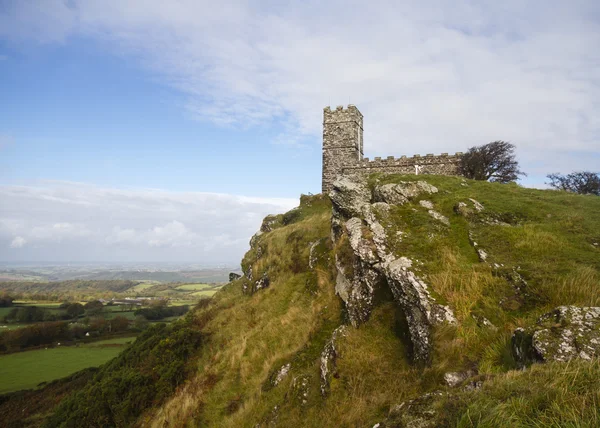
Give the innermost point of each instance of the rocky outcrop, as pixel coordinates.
(401, 193)
(233, 276)
(281, 374)
(270, 223)
(420, 308)
(328, 358)
(369, 264)
(566, 333)
(417, 413)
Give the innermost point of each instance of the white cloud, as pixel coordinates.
(429, 77)
(73, 221)
(18, 242)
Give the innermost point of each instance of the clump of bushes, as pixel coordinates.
(142, 376)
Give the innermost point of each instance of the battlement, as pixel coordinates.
(343, 151)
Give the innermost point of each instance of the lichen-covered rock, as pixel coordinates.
(270, 223)
(566, 333)
(401, 193)
(478, 207)
(301, 389)
(420, 308)
(362, 247)
(426, 204)
(281, 374)
(453, 379)
(439, 217)
(254, 239)
(417, 413)
(312, 254)
(372, 265)
(233, 276)
(349, 196)
(357, 290)
(328, 357)
(462, 209)
(263, 282)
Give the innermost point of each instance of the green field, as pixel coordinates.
(4, 311)
(143, 286)
(205, 293)
(192, 287)
(25, 370)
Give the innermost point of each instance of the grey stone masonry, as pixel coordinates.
(343, 151)
(342, 141)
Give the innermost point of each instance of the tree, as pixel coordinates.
(75, 309)
(494, 161)
(582, 182)
(119, 323)
(140, 322)
(94, 307)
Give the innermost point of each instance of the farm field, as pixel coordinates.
(205, 293)
(193, 287)
(26, 370)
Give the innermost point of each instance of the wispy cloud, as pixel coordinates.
(75, 221)
(429, 76)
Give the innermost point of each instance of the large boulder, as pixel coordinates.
(401, 193)
(349, 195)
(566, 333)
(420, 308)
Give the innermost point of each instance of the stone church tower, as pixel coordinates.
(342, 141)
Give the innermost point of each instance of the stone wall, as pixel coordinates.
(443, 164)
(343, 151)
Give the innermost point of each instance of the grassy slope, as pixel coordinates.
(549, 241)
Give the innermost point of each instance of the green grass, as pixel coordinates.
(143, 286)
(113, 341)
(546, 395)
(204, 293)
(193, 287)
(24, 370)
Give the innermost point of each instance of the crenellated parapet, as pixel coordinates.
(343, 151)
(443, 164)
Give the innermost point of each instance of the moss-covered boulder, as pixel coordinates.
(563, 334)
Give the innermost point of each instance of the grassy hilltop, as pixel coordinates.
(264, 336)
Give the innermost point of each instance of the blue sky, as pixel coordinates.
(76, 112)
(164, 131)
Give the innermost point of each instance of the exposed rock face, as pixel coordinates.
(328, 357)
(270, 223)
(566, 333)
(453, 379)
(402, 192)
(372, 265)
(282, 373)
(349, 196)
(263, 282)
(417, 413)
(439, 217)
(420, 308)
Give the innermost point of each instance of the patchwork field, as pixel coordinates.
(25, 370)
(193, 287)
